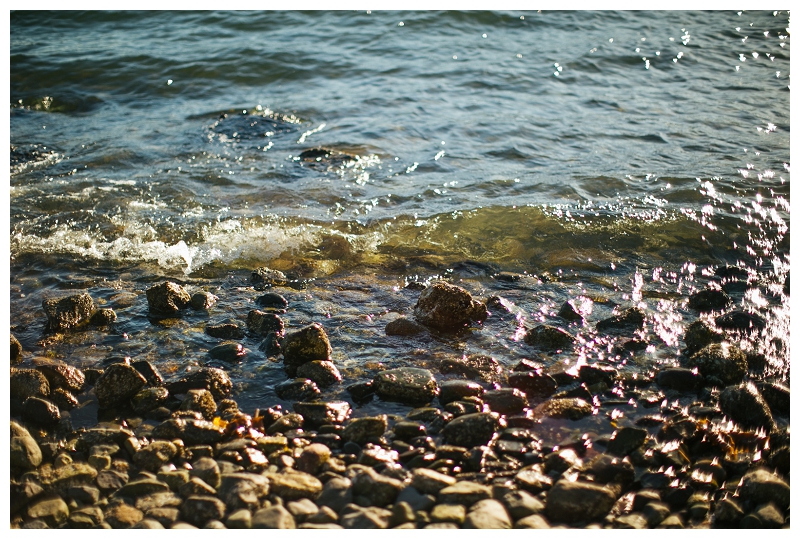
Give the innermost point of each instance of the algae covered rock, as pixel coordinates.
(66, 313)
(723, 361)
(548, 338)
(118, 383)
(167, 298)
(446, 306)
(306, 344)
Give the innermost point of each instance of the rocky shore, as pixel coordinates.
(701, 445)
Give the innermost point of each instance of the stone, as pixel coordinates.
(548, 338)
(51, 509)
(149, 399)
(456, 390)
(200, 400)
(372, 518)
(202, 301)
(364, 428)
(122, 516)
(316, 414)
(407, 385)
(197, 510)
(242, 490)
(728, 511)
(103, 317)
(141, 487)
(309, 343)
(294, 485)
(698, 335)
(240, 520)
(679, 378)
(464, 493)
(26, 383)
(40, 411)
(264, 278)
(445, 512)
(298, 389)
(430, 481)
(325, 515)
(275, 517)
(627, 321)
(25, 453)
(286, 423)
(404, 327)
(85, 518)
(67, 313)
(175, 479)
(445, 306)
(63, 399)
(378, 489)
(158, 499)
(472, 430)
(302, 509)
(534, 383)
(225, 331)
(608, 469)
(533, 479)
(565, 408)
(336, 494)
(167, 298)
(626, 440)
(631, 521)
(313, 457)
(148, 524)
(487, 514)
(414, 498)
(361, 391)
(521, 504)
(761, 486)
(229, 352)
(149, 371)
(744, 404)
(16, 350)
(118, 383)
(709, 300)
(480, 367)
(196, 487)
(324, 373)
(61, 375)
(215, 380)
(723, 361)
(273, 301)
(402, 513)
(206, 469)
(569, 312)
(777, 397)
(532, 522)
(507, 401)
(151, 457)
(263, 324)
(767, 516)
(572, 501)
(165, 515)
(741, 321)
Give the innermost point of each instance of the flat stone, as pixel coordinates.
(407, 385)
(316, 414)
(294, 485)
(378, 489)
(273, 301)
(532, 522)
(163, 500)
(241, 519)
(85, 517)
(631, 521)
(521, 504)
(472, 430)
(417, 500)
(709, 300)
(487, 514)
(228, 330)
(464, 493)
(572, 501)
(229, 352)
(40, 411)
(265, 277)
(298, 389)
(196, 487)
(679, 378)
(449, 513)
(148, 524)
(507, 401)
(455, 390)
(142, 487)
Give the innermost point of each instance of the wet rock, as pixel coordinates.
(275, 517)
(229, 352)
(362, 429)
(149, 399)
(272, 301)
(548, 338)
(573, 501)
(521, 504)
(324, 373)
(25, 452)
(200, 400)
(487, 514)
(679, 378)
(198, 510)
(566, 408)
(154, 455)
(608, 469)
(597, 374)
(299, 389)
(429, 481)
(626, 440)
(709, 300)
(508, 401)
(26, 383)
(40, 411)
(63, 376)
(725, 362)
(307, 344)
(534, 383)
(480, 367)
(51, 509)
(167, 298)
(698, 335)
(227, 330)
(122, 516)
(741, 321)
(445, 306)
(294, 485)
(264, 324)
(361, 391)
(118, 383)
(63, 399)
(336, 494)
(454, 390)
(103, 317)
(533, 479)
(760, 486)
(215, 380)
(777, 397)
(404, 327)
(371, 518)
(464, 493)
(264, 277)
(286, 423)
(150, 373)
(16, 350)
(67, 313)
(202, 301)
(376, 489)
(316, 414)
(628, 321)
(746, 407)
(569, 312)
(472, 430)
(407, 385)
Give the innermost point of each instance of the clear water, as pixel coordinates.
(613, 158)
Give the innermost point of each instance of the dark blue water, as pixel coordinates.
(623, 155)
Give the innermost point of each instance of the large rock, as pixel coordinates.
(480, 367)
(627, 321)
(118, 383)
(578, 501)
(215, 380)
(25, 452)
(761, 486)
(723, 361)
(66, 313)
(746, 407)
(63, 376)
(445, 306)
(548, 338)
(167, 298)
(306, 344)
(26, 383)
(407, 385)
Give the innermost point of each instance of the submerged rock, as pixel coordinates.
(229, 352)
(679, 378)
(407, 385)
(709, 300)
(323, 413)
(455, 390)
(228, 330)
(299, 389)
(548, 338)
(741, 321)
(445, 306)
(167, 298)
(103, 317)
(404, 327)
(66, 313)
(535, 384)
(263, 324)
(202, 301)
(629, 320)
(272, 301)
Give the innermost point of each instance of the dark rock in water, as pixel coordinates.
(264, 278)
(215, 380)
(548, 338)
(407, 385)
(574, 501)
(200, 400)
(472, 430)
(446, 306)
(709, 300)
(202, 301)
(307, 344)
(507, 401)
(67, 313)
(230, 352)
(263, 324)
(118, 383)
(26, 383)
(625, 440)
(777, 397)
(534, 383)
(271, 345)
(479, 367)
(299, 389)
(167, 298)
(679, 378)
(628, 321)
(403, 326)
(149, 399)
(454, 390)
(730, 272)
(40, 411)
(746, 407)
(698, 335)
(761, 486)
(594, 374)
(362, 429)
(323, 413)
(568, 312)
(63, 376)
(786, 287)
(324, 373)
(566, 408)
(63, 399)
(103, 317)
(149, 372)
(741, 321)
(361, 391)
(16, 350)
(225, 331)
(725, 362)
(272, 301)
(608, 469)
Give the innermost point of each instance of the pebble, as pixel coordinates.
(122, 516)
(370, 518)
(242, 490)
(428, 481)
(445, 306)
(364, 428)
(103, 317)
(323, 413)
(198, 510)
(521, 504)
(241, 519)
(454, 390)
(264, 324)
(264, 277)
(298, 389)
(534, 383)
(533, 522)
(446, 512)
(336, 494)
(508, 401)
(625, 440)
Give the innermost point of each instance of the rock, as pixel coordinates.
(414, 498)
(479, 367)
(299, 389)
(51, 509)
(430, 481)
(67, 313)
(141, 487)
(741, 321)
(407, 385)
(198, 510)
(151, 457)
(445, 306)
(568, 312)
(165, 515)
(242, 490)
(533, 479)
(746, 407)
(378, 489)
(294, 485)
(26, 383)
(362, 429)
(240, 520)
(452, 513)
(202, 301)
(631, 521)
(264, 277)
(472, 430)
(760, 486)
(608, 469)
(229, 352)
(402, 513)
(565, 408)
(534, 383)
(372, 518)
(628, 321)
(63, 399)
(103, 317)
(655, 512)
(361, 391)
(63, 376)
(626, 440)
(777, 397)
(324, 373)
(122, 516)
(766, 516)
(698, 335)
(548, 338)
(325, 515)
(147, 524)
(404, 327)
(85, 518)
(208, 470)
(167, 298)
(507, 401)
(200, 400)
(464, 493)
(25, 452)
(40, 411)
(196, 487)
(263, 324)
(679, 378)
(454, 390)
(336, 494)
(275, 517)
(709, 300)
(313, 457)
(16, 350)
(725, 362)
(225, 331)
(118, 383)
(533, 522)
(150, 373)
(521, 504)
(487, 514)
(215, 380)
(272, 301)
(573, 501)
(316, 414)
(307, 344)
(149, 399)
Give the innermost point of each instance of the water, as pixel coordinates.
(610, 158)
